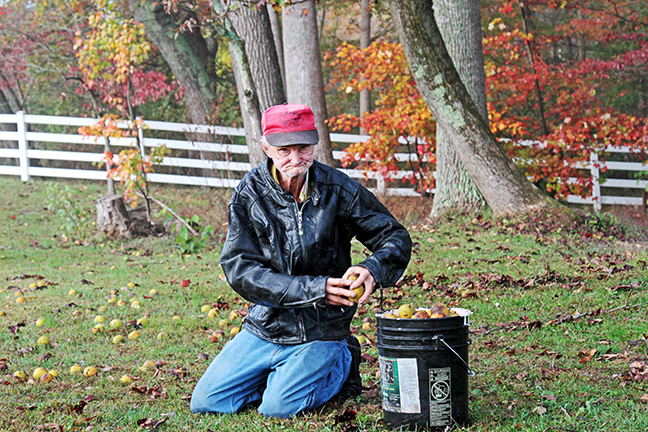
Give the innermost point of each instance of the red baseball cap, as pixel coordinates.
(289, 124)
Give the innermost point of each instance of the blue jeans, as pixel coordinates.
(286, 379)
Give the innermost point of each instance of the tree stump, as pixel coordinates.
(112, 216)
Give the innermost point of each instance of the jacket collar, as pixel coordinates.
(314, 173)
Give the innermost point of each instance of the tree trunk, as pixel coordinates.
(504, 187)
(251, 116)
(365, 41)
(112, 216)
(304, 79)
(187, 56)
(253, 26)
(5, 108)
(248, 98)
(275, 24)
(459, 22)
(525, 11)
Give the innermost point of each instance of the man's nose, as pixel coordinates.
(295, 157)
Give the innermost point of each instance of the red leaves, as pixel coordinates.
(348, 417)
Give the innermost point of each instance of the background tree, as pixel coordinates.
(504, 187)
(399, 112)
(112, 57)
(186, 50)
(459, 22)
(570, 75)
(252, 24)
(365, 41)
(38, 67)
(304, 78)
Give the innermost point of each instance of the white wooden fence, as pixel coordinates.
(50, 146)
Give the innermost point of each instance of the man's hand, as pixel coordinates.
(339, 290)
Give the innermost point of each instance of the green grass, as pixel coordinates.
(559, 315)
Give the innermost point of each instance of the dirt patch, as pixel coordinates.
(408, 210)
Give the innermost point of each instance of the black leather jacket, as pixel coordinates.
(278, 253)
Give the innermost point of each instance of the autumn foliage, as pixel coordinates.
(563, 81)
(400, 111)
(112, 57)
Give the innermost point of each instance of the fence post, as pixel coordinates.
(381, 189)
(23, 145)
(140, 137)
(596, 185)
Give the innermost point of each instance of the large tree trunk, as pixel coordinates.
(459, 22)
(365, 41)
(189, 58)
(504, 187)
(187, 55)
(304, 79)
(253, 26)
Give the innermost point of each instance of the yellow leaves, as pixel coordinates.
(114, 43)
(497, 22)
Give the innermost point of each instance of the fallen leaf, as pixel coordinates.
(45, 357)
(78, 408)
(81, 420)
(347, 416)
(539, 410)
(149, 423)
(50, 427)
(586, 355)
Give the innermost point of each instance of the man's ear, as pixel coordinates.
(264, 147)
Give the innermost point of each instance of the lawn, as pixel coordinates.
(559, 335)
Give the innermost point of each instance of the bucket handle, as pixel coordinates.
(438, 338)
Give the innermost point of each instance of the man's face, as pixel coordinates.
(291, 161)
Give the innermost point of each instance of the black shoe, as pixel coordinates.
(352, 387)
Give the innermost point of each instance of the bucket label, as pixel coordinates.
(440, 397)
(400, 385)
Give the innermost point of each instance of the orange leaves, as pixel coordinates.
(130, 168)
(586, 355)
(400, 111)
(112, 126)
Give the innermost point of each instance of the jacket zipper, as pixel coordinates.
(300, 231)
(300, 217)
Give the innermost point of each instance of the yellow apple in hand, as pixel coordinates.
(359, 290)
